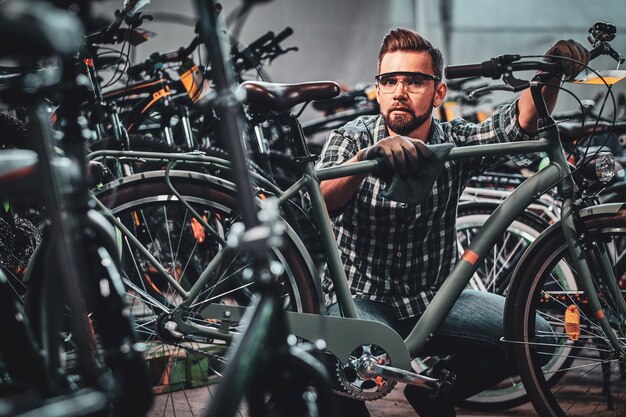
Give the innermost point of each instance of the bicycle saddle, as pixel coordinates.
(37, 28)
(281, 97)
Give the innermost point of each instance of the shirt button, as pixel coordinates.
(399, 254)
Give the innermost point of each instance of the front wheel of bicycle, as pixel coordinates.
(184, 247)
(591, 377)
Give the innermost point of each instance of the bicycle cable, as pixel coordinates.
(586, 160)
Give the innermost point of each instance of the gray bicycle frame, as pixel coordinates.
(557, 172)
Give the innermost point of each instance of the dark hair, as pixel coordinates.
(401, 39)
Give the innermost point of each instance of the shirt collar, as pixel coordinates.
(435, 135)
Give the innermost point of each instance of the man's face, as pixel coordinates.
(404, 111)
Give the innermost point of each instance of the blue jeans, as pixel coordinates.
(469, 339)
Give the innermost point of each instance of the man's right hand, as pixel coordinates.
(400, 154)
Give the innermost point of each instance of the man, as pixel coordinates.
(396, 255)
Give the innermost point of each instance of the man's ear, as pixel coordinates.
(377, 93)
(440, 93)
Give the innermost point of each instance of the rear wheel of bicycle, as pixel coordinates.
(494, 275)
(593, 381)
(169, 231)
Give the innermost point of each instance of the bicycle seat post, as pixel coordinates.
(297, 138)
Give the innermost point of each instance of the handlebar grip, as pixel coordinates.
(484, 69)
(260, 41)
(287, 32)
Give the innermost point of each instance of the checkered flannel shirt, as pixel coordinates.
(396, 253)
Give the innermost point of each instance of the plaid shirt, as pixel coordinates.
(397, 253)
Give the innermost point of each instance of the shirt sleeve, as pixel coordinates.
(338, 148)
(503, 126)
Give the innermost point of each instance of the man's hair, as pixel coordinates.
(401, 39)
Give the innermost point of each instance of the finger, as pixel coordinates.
(412, 159)
(577, 53)
(369, 153)
(400, 161)
(414, 162)
(583, 57)
(425, 153)
(555, 51)
(389, 160)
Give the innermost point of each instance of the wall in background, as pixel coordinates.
(339, 39)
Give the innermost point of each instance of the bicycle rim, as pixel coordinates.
(494, 275)
(591, 380)
(172, 235)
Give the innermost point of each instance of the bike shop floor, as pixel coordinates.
(393, 405)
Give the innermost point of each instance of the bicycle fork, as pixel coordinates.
(581, 265)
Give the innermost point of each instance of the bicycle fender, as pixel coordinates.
(229, 187)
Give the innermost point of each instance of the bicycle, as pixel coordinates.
(302, 385)
(60, 360)
(267, 96)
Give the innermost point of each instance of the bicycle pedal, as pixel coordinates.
(445, 382)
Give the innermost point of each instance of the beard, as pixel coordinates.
(407, 122)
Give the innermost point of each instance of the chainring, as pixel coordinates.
(352, 382)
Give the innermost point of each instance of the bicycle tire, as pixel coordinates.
(146, 196)
(495, 277)
(114, 356)
(589, 384)
(496, 273)
(22, 365)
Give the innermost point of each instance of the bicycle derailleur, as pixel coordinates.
(368, 376)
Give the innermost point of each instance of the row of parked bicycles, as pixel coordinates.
(167, 234)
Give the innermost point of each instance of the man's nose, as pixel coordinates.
(400, 90)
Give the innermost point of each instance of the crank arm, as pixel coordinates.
(371, 369)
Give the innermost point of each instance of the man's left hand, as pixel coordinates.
(572, 50)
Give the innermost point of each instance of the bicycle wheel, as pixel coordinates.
(593, 380)
(494, 275)
(147, 207)
(90, 344)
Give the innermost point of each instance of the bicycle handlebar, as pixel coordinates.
(261, 41)
(498, 66)
(107, 34)
(158, 59)
(287, 32)
(265, 47)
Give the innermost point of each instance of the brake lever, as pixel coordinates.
(484, 90)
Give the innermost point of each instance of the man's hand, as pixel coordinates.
(400, 153)
(569, 49)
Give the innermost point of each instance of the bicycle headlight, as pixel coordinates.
(605, 167)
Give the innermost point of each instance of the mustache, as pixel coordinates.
(400, 107)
